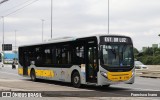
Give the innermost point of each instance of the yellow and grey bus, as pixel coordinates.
(93, 60)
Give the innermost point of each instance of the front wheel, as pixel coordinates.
(76, 81)
(33, 75)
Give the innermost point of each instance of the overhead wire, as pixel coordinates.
(20, 8)
(17, 5)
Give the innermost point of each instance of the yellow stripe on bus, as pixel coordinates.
(119, 76)
(20, 71)
(29, 71)
(44, 73)
(40, 73)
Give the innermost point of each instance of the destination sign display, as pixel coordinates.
(112, 39)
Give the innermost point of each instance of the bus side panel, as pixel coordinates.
(20, 69)
(57, 74)
(101, 79)
(46, 73)
(82, 73)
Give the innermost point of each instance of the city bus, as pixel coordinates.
(100, 60)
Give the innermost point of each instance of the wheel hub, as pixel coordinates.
(76, 79)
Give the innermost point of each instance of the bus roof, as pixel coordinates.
(65, 39)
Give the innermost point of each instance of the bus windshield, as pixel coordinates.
(114, 55)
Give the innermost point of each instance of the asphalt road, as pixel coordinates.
(10, 80)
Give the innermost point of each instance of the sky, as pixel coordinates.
(139, 19)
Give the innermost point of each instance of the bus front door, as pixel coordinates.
(92, 66)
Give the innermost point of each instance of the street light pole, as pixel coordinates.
(42, 28)
(3, 1)
(3, 33)
(51, 18)
(15, 39)
(108, 16)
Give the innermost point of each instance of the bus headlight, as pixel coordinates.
(104, 74)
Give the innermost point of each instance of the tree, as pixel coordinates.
(148, 51)
(135, 51)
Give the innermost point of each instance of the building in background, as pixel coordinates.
(154, 45)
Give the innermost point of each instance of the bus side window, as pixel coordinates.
(63, 56)
(54, 58)
(66, 55)
(38, 56)
(58, 55)
(47, 54)
(79, 55)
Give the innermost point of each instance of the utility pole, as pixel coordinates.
(51, 17)
(108, 16)
(42, 28)
(15, 39)
(3, 33)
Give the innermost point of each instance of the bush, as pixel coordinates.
(156, 60)
(151, 56)
(148, 60)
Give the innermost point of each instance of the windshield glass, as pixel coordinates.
(117, 55)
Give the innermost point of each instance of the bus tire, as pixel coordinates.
(33, 75)
(75, 79)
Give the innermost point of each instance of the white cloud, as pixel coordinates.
(139, 19)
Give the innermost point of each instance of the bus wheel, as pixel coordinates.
(33, 75)
(76, 81)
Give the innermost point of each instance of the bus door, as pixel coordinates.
(92, 65)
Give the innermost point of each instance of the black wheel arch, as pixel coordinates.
(75, 70)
